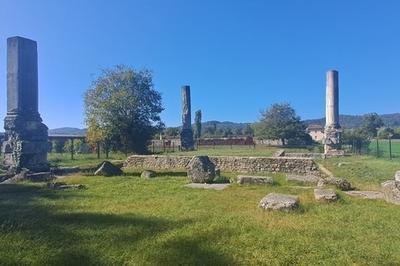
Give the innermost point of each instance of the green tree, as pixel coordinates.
(58, 146)
(171, 132)
(122, 109)
(371, 123)
(386, 132)
(280, 122)
(356, 138)
(248, 131)
(238, 132)
(197, 124)
(227, 132)
(209, 131)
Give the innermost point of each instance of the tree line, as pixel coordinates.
(122, 112)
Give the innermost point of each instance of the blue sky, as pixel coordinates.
(238, 56)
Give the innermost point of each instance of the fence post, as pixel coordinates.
(377, 147)
(390, 147)
(72, 148)
(98, 150)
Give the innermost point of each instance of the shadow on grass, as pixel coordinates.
(193, 250)
(34, 216)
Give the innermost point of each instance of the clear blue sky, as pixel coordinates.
(238, 56)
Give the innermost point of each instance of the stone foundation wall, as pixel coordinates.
(305, 155)
(228, 164)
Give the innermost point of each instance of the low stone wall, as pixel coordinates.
(305, 155)
(228, 164)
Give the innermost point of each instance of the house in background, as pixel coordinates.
(316, 132)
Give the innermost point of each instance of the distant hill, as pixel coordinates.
(354, 121)
(67, 131)
(346, 121)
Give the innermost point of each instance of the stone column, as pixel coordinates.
(187, 142)
(25, 144)
(332, 98)
(332, 134)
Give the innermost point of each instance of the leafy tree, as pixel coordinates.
(248, 131)
(67, 146)
(238, 131)
(171, 132)
(227, 132)
(209, 131)
(371, 123)
(58, 146)
(80, 146)
(123, 109)
(197, 124)
(357, 138)
(280, 122)
(386, 132)
(396, 134)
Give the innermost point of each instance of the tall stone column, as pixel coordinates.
(25, 144)
(332, 134)
(187, 142)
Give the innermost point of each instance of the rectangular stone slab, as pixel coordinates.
(207, 186)
(259, 180)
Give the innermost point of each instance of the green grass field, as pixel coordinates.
(129, 220)
(237, 151)
(365, 172)
(384, 148)
(64, 159)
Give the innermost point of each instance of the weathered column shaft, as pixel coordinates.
(332, 98)
(22, 76)
(187, 142)
(186, 108)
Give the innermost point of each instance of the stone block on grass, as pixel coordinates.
(106, 168)
(148, 174)
(201, 170)
(256, 180)
(328, 195)
(277, 201)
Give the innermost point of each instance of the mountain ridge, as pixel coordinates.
(346, 121)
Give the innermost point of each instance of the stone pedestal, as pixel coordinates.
(332, 141)
(25, 144)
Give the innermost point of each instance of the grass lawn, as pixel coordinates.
(133, 221)
(365, 172)
(64, 159)
(237, 151)
(384, 148)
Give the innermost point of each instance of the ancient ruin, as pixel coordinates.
(187, 143)
(25, 144)
(333, 131)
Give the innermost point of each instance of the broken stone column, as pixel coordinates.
(25, 144)
(187, 143)
(333, 131)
